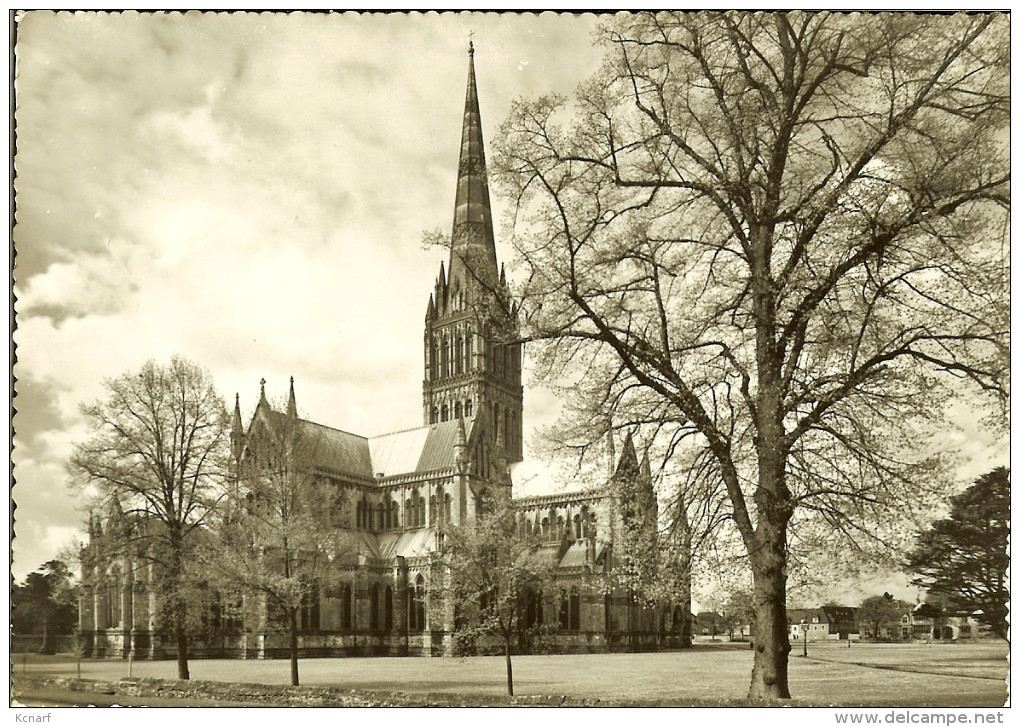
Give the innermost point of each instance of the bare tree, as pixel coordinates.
(157, 451)
(280, 538)
(791, 231)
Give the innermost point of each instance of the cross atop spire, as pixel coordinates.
(473, 248)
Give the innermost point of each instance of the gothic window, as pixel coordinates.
(380, 514)
(564, 611)
(527, 528)
(373, 607)
(577, 527)
(346, 612)
(395, 513)
(559, 528)
(468, 361)
(388, 608)
(575, 609)
(467, 409)
(545, 527)
(443, 358)
(533, 616)
(432, 509)
(495, 421)
(460, 354)
(435, 415)
(416, 605)
(457, 411)
(433, 363)
(388, 516)
(408, 513)
(310, 608)
(447, 507)
(361, 514)
(446, 413)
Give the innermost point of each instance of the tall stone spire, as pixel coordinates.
(473, 247)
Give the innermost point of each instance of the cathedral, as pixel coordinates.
(398, 489)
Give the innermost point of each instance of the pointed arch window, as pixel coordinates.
(373, 606)
(460, 354)
(416, 605)
(388, 608)
(346, 611)
(468, 411)
(458, 412)
(468, 360)
(446, 413)
(394, 514)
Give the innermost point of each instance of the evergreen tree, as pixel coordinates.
(963, 559)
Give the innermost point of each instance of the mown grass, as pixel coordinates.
(939, 675)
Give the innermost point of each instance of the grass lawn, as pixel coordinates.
(946, 675)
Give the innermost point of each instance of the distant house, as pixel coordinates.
(929, 622)
(842, 621)
(924, 622)
(811, 624)
(709, 623)
(822, 624)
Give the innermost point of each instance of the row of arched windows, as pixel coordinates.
(555, 527)
(569, 611)
(450, 355)
(414, 510)
(377, 517)
(446, 412)
(380, 605)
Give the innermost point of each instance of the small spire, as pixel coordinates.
(262, 387)
(646, 466)
(628, 458)
(292, 401)
(431, 312)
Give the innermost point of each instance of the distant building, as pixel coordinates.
(399, 488)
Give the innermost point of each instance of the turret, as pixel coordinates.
(291, 401)
(236, 430)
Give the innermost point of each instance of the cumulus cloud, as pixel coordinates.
(248, 191)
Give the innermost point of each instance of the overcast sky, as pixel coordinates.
(249, 191)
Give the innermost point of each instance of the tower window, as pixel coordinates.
(467, 408)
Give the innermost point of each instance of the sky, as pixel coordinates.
(250, 191)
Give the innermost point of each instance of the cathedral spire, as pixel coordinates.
(473, 247)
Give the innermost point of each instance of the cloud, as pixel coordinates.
(249, 191)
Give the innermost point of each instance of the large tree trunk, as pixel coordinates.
(293, 647)
(509, 669)
(771, 637)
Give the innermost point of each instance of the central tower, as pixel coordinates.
(472, 351)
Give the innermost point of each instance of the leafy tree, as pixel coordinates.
(46, 602)
(789, 231)
(280, 538)
(493, 570)
(964, 558)
(878, 610)
(739, 610)
(157, 451)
